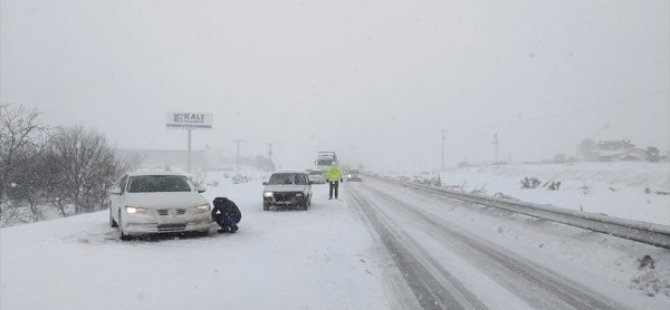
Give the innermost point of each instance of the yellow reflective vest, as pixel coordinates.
(334, 174)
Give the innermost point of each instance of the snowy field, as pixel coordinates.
(331, 257)
(321, 259)
(616, 189)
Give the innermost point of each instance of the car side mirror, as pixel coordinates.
(115, 190)
(310, 182)
(201, 190)
(265, 183)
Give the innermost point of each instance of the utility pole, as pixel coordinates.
(237, 158)
(495, 141)
(444, 138)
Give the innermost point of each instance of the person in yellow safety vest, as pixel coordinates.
(333, 177)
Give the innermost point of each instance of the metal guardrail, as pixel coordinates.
(649, 233)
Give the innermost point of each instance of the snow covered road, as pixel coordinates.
(380, 246)
(408, 232)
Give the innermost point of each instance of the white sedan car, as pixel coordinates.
(317, 177)
(158, 202)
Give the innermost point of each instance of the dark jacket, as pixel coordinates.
(224, 207)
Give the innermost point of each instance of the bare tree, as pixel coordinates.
(17, 128)
(30, 183)
(66, 167)
(85, 169)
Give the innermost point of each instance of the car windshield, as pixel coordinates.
(158, 183)
(324, 162)
(287, 179)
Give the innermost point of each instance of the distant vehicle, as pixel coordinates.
(354, 176)
(324, 159)
(316, 177)
(158, 202)
(287, 188)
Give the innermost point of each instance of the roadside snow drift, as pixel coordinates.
(637, 191)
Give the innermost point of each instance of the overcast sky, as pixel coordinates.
(373, 80)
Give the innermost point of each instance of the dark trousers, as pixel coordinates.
(333, 188)
(227, 221)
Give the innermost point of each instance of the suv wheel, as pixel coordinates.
(266, 206)
(124, 237)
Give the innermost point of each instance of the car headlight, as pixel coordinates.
(133, 210)
(268, 194)
(202, 208)
(298, 194)
(348, 176)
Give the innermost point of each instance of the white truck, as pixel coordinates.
(324, 159)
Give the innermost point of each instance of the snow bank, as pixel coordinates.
(627, 190)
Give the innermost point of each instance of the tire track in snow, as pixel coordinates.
(428, 290)
(541, 288)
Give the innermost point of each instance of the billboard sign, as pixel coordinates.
(189, 120)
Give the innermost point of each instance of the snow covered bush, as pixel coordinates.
(198, 177)
(651, 282)
(552, 186)
(530, 183)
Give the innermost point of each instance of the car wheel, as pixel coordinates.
(124, 237)
(112, 222)
(266, 206)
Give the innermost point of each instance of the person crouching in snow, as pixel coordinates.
(226, 214)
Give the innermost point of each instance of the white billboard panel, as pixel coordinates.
(189, 120)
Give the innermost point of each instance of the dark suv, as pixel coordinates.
(288, 188)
